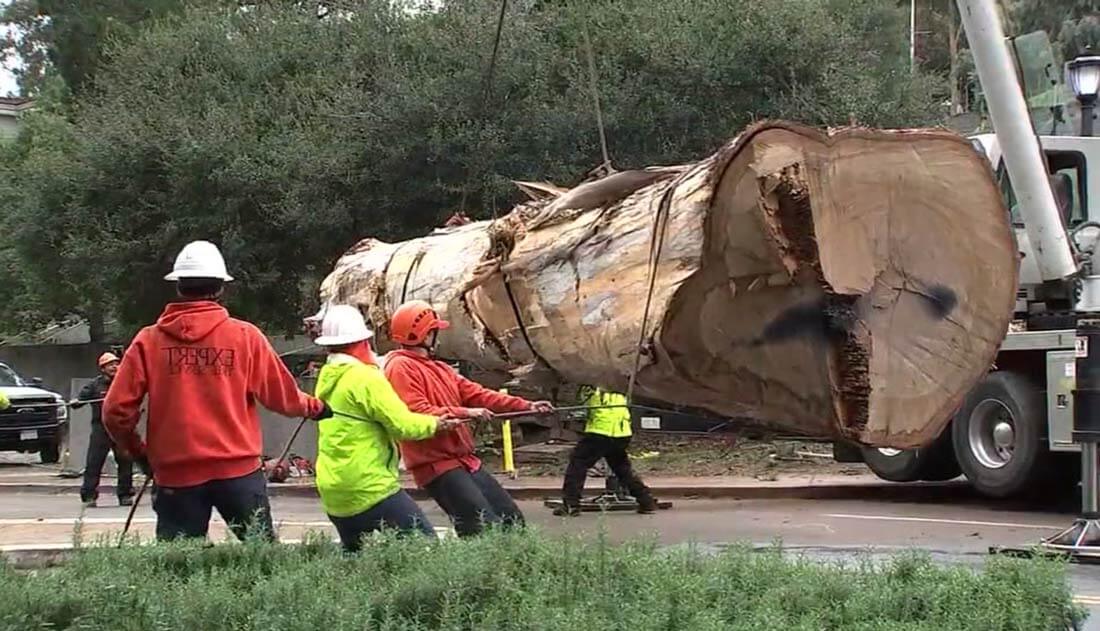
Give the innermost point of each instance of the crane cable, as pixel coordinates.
(660, 222)
(593, 87)
(487, 92)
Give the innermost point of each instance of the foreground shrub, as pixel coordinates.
(523, 581)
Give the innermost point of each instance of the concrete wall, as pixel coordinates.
(278, 429)
(9, 127)
(57, 365)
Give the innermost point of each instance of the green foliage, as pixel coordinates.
(286, 138)
(39, 171)
(1073, 24)
(525, 581)
(71, 36)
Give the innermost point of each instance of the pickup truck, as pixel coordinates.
(36, 419)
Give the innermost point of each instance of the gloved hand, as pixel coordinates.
(326, 412)
(543, 407)
(479, 414)
(447, 424)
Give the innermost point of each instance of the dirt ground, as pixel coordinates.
(693, 455)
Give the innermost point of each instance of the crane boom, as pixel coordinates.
(1020, 148)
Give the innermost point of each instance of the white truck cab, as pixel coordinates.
(36, 419)
(1068, 159)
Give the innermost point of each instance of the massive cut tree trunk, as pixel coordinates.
(853, 284)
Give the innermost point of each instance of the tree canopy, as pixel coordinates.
(1074, 25)
(286, 137)
(71, 37)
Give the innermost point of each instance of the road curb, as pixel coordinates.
(810, 491)
(36, 556)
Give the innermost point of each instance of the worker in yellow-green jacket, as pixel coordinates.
(606, 435)
(356, 451)
(4, 402)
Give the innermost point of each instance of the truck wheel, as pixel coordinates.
(940, 463)
(50, 453)
(895, 465)
(998, 436)
(934, 463)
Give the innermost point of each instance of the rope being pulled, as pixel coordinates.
(656, 245)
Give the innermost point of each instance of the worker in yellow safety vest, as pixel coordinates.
(356, 450)
(606, 435)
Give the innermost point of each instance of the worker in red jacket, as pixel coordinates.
(203, 373)
(445, 464)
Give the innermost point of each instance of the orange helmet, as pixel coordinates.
(413, 322)
(106, 358)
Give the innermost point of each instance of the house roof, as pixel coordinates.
(13, 105)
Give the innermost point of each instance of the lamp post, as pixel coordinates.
(1082, 538)
(1084, 80)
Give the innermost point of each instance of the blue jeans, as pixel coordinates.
(474, 500)
(242, 503)
(397, 512)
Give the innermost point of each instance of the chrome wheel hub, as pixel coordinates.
(992, 434)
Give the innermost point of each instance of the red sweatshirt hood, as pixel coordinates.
(191, 321)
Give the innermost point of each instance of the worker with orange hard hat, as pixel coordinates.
(99, 442)
(445, 464)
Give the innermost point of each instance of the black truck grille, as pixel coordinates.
(29, 414)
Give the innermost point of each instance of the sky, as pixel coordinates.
(7, 80)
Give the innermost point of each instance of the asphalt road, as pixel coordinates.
(826, 529)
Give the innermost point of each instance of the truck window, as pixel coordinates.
(1068, 169)
(8, 377)
(1067, 180)
(1008, 195)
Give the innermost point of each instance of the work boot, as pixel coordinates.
(126, 500)
(90, 503)
(647, 505)
(567, 510)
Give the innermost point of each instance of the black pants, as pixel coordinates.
(590, 448)
(397, 512)
(99, 443)
(473, 500)
(242, 503)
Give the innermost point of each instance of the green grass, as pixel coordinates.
(523, 581)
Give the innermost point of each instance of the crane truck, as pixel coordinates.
(1014, 432)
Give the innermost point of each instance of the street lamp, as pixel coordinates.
(1084, 79)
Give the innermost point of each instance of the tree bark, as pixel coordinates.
(97, 329)
(852, 284)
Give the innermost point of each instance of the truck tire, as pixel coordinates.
(934, 463)
(50, 453)
(999, 435)
(940, 463)
(895, 465)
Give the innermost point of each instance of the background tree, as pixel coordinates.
(71, 37)
(286, 138)
(1073, 25)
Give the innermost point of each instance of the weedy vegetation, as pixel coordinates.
(524, 580)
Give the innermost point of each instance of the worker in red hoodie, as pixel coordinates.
(203, 373)
(445, 465)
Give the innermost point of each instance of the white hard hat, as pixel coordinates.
(343, 324)
(199, 259)
(320, 315)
